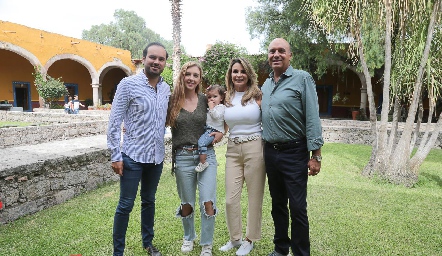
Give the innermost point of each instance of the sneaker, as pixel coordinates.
(207, 250)
(187, 246)
(201, 166)
(151, 250)
(230, 245)
(275, 253)
(245, 248)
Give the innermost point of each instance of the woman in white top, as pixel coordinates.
(244, 156)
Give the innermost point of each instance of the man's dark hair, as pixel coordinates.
(157, 44)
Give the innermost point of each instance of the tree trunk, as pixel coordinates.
(402, 170)
(383, 157)
(369, 168)
(176, 23)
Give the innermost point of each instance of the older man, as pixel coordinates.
(291, 130)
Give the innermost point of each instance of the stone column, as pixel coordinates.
(363, 98)
(95, 93)
(100, 93)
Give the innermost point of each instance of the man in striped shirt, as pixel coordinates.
(140, 102)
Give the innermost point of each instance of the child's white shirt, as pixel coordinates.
(215, 117)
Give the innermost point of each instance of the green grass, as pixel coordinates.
(349, 215)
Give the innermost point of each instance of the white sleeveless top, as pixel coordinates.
(243, 120)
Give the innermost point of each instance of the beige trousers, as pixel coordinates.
(245, 162)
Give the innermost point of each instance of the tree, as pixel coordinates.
(409, 32)
(48, 88)
(176, 22)
(128, 32)
(310, 44)
(216, 60)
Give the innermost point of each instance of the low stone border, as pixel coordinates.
(31, 135)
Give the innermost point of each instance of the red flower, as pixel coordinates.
(1, 205)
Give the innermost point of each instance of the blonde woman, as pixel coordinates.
(244, 156)
(187, 117)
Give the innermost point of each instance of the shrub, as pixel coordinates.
(49, 89)
(215, 61)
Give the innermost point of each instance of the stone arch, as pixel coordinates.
(22, 52)
(93, 73)
(97, 87)
(113, 64)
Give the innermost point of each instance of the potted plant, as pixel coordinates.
(107, 106)
(89, 103)
(355, 113)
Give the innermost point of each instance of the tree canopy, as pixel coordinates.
(216, 60)
(128, 31)
(292, 20)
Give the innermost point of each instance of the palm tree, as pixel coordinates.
(176, 22)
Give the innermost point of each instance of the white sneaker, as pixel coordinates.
(207, 250)
(187, 246)
(201, 166)
(230, 245)
(245, 248)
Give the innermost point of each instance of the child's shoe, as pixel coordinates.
(201, 166)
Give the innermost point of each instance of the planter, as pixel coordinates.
(354, 114)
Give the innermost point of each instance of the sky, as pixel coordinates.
(203, 22)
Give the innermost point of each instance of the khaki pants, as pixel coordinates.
(245, 162)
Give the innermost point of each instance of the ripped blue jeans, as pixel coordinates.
(187, 180)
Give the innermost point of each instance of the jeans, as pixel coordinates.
(205, 140)
(187, 181)
(133, 172)
(287, 174)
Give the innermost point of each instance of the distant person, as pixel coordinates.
(215, 122)
(291, 130)
(76, 105)
(68, 106)
(140, 102)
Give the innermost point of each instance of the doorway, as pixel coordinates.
(22, 95)
(72, 90)
(324, 93)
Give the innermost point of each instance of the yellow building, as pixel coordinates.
(88, 69)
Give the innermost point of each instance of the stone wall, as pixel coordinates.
(50, 125)
(53, 116)
(30, 135)
(358, 132)
(29, 188)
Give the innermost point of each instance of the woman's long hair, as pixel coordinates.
(176, 101)
(252, 91)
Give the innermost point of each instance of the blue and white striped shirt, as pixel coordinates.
(143, 111)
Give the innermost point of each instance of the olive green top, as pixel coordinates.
(189, 126)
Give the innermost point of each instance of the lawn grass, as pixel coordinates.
(349, 215)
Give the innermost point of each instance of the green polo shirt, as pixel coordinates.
(290, 109)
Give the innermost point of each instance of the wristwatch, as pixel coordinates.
(317, 157)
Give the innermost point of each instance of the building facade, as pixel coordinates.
(89, 70)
